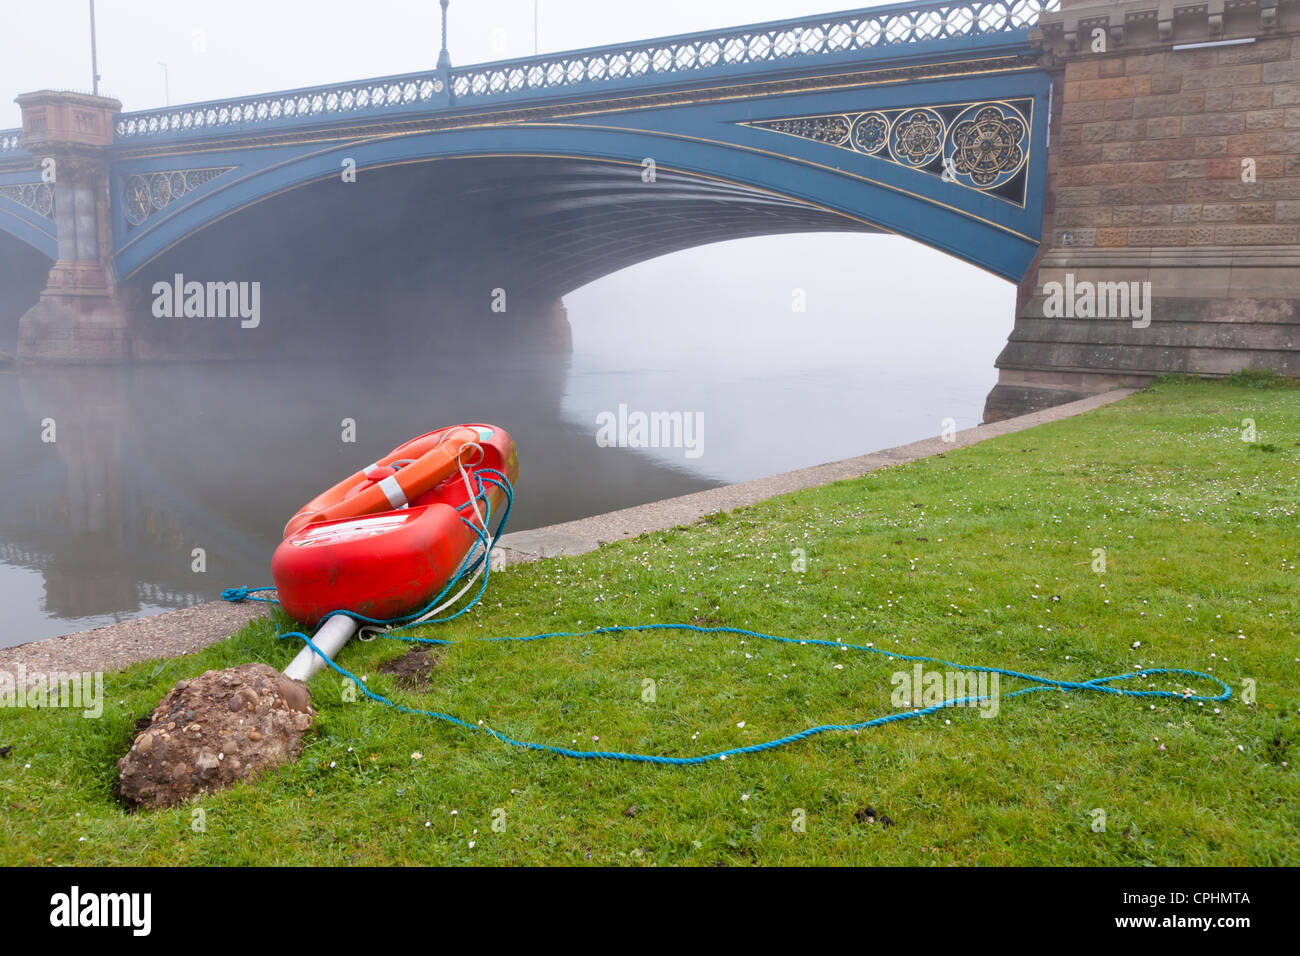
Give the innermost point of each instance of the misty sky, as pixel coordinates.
(871, 299)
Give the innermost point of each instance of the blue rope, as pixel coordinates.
(1099, 685)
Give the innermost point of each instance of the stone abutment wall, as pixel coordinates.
(1172, 226)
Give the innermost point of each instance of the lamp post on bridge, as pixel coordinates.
(94, 54)
(444, 57)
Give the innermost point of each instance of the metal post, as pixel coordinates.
(330, 638)
(444, 58)
(94, 54)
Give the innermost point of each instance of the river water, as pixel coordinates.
(148, 463)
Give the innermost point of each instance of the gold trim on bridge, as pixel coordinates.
(440, 122)
(887, 134)
(363, 133)
(613, 162)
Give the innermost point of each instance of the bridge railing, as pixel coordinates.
(10, 140)
(760, 44)
(756, 47)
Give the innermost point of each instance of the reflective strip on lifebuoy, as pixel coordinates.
(393, 489)
(431, 458)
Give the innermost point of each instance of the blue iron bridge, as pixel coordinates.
(926, 120)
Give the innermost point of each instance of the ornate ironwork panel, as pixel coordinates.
(144, 194)
(38, 197)
(981, 145)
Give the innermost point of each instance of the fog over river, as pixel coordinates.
(153, 461)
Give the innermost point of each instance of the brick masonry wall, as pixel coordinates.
(1145, 184)
(1150, 146)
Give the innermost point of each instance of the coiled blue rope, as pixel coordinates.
(1099, 685)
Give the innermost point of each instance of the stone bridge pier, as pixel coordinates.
(80, 316)
(1173, 174)
(1154, 228)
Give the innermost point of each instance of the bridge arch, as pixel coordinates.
(735, 165)
(27, 212)
(23, 267)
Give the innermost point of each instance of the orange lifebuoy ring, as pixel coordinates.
(381, 487)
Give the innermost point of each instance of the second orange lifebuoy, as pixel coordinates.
(381, 487)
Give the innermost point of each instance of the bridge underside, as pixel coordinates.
(22, 276)
(454, 240)
(538, 227)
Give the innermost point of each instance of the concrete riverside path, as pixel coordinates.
(184, 631)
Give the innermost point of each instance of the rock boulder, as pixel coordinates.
(213, 730)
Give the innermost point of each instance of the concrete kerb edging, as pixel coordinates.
(184, 631)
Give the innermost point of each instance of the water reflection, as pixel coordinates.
(149, 463)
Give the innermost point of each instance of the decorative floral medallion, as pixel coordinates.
(160, 189)
(988, 144)
(871, 133)
(138, 201)
(917, 137)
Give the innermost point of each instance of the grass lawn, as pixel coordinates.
(982, 556)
